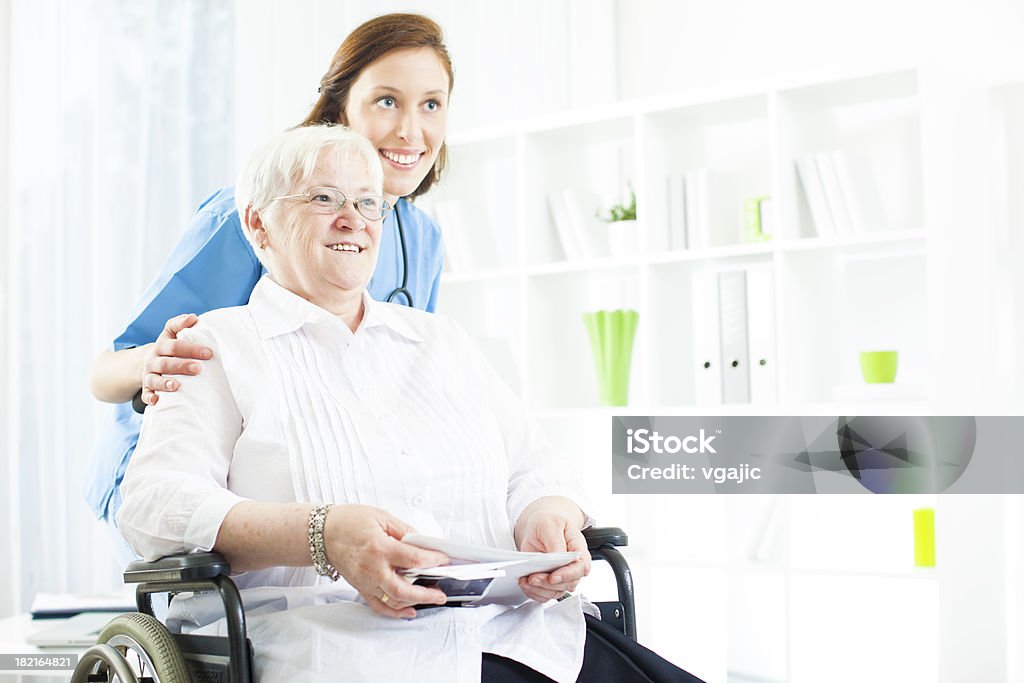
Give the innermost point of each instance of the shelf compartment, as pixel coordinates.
(874, 124)
(836, 304)
(589, 165)
(471, 204)
(561, 370)
(671, 343)
(492, 313)
(729, 142)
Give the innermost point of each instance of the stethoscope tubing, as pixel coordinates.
(401, 290)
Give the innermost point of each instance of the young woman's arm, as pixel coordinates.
(118, 375)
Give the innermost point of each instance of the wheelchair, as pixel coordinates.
(138, 648)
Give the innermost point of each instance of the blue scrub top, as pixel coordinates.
(214, 266)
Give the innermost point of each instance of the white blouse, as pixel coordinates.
(405, 415)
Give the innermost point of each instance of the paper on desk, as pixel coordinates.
(505, 589)
(61, 605)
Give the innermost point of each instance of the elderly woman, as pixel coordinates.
(324, 408)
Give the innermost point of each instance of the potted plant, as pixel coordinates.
(623, 236)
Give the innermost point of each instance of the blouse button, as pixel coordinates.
(416, 501)
(407, 451)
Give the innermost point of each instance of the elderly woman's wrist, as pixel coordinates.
(317, 546)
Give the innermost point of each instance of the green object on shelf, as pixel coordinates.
(611, 339)
(924, 537)
(879, 367)
(756, 219)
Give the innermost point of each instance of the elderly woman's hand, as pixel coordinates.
(363, 544)
(552, 525)
(169, 355)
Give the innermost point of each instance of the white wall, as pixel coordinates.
(7, 528)
(674, 46)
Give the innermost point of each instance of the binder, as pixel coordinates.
(761, 333)
(732, 312)
(707, 375)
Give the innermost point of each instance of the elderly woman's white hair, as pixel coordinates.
(289, 158)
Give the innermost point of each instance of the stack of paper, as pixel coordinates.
(502, 568)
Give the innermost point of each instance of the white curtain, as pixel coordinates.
(120, 115)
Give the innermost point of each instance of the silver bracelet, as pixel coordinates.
(316, 543)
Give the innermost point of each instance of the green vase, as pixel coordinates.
(611, 339)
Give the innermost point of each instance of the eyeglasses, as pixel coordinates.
(372, 207)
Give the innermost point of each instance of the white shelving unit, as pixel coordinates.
(755, 570)
(834, 296)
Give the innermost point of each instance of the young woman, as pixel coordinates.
(390, 81)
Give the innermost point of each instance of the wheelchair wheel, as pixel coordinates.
(147, 646)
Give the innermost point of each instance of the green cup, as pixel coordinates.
(878, 367)
(611, 339)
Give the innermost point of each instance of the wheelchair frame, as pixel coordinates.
(204, 656)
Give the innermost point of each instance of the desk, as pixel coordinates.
(14, 631)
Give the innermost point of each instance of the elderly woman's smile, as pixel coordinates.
(321, 240)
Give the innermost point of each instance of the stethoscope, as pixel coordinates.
(401, 289)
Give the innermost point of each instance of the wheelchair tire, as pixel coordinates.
(146, 637)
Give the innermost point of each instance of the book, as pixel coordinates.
(766, 212)
(581, 224)
(698, 211)
(458, 253)
(501, 568)
(814, 193)
(675, 188)
(562, 221)
(834, 196)
(858, 225)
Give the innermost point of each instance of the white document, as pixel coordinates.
(513, 564)
(707, 353)
(761, 333)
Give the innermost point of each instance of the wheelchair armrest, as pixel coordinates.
(598, 536)
(190, 567)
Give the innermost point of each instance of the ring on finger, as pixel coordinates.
(384, 597)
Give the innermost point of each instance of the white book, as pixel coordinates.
(500, 175)
(814, 193)
(561, 220)
(580, 224)
(833, 194)
(732, 312)
(853, 205)
(675, 188)
(458, 253)
(766, 211)
(698, 210)
(707, 373)
(761, 333)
